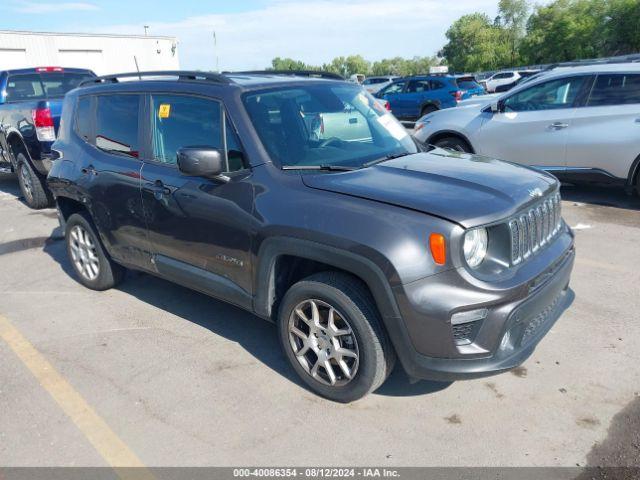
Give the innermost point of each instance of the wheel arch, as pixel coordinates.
(313, 257)
(633, 179)
(439, 135)
(16, 145)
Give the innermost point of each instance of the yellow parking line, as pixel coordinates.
(115, 452)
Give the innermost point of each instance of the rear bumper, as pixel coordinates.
(515, 323)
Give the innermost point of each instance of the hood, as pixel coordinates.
(467, 189)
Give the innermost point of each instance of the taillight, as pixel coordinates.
(43, 121)
(49, 69)
(457, 95)
(387, 105)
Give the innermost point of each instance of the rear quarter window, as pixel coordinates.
(84, 119)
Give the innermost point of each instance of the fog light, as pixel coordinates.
(469, 316)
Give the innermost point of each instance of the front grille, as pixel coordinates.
(534, 227)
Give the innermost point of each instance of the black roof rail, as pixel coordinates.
(182, 75)
(297, 73)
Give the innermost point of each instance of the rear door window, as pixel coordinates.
(117, 124)
(615, 89)
(418, 86)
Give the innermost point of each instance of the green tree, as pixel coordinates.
(622, 29)
(512, 18)
(475, 43)
(566, 30)
(287, 64)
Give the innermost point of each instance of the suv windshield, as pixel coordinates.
(329, 125)
(36, 86)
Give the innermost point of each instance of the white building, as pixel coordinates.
(104, 54)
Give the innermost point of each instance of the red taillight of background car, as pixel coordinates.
(43, 122)
(457, 95)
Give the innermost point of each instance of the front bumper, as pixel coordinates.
(517, 319)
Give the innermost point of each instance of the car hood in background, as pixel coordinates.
(468, 189)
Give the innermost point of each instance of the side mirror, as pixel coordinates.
(495, 107)
(200, 161)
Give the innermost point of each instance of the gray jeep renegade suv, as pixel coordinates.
(302, 200)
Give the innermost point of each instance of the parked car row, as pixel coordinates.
(580, 123)
(301, 199)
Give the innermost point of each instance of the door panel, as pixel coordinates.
(201, 222)
(527, 138)
(111, 175)
(532, 125)
(605, 133)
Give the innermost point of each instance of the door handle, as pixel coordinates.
(89, 170)
(558, 125)
(157, 188)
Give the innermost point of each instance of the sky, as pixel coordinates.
(250, 33)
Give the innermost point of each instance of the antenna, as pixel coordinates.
(137, 68)
(215, 50)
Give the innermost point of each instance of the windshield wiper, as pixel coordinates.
(330, 168)
(384, 159)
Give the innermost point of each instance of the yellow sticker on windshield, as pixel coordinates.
(164, 111)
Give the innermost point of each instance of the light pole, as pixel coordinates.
(146, 27)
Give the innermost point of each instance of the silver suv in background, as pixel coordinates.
(375, 84)
(580, 123)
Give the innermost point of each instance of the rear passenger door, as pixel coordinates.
(109, 172)
(199, 228)
(605, 133)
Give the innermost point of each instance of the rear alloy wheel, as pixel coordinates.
(453, 143)
(32, 185)
(332, 335)
(92, 265)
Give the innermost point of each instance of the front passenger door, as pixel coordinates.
(199, 228)
(532, 126)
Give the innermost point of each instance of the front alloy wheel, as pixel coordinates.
(323, 342)
(333, 337)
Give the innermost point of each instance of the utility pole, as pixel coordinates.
(146, 27)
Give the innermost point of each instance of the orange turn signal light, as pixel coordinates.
(438, 248)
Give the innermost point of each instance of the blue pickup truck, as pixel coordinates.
(30, 107)
(412, 97)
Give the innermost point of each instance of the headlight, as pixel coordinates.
(475, 246)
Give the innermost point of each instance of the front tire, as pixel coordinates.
(454, 143)
(32, 185)
(92, 265)
(332, 335)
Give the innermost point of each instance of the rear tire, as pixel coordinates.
(453, 143)
(92, 265)
(427, 110)
(32, 185)
(360, 358)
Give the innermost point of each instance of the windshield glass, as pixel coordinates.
(325, 124)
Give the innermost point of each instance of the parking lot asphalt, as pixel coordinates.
(181, 379)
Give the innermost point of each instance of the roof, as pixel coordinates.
(248, 80)
(68, 34)
(15, 71)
